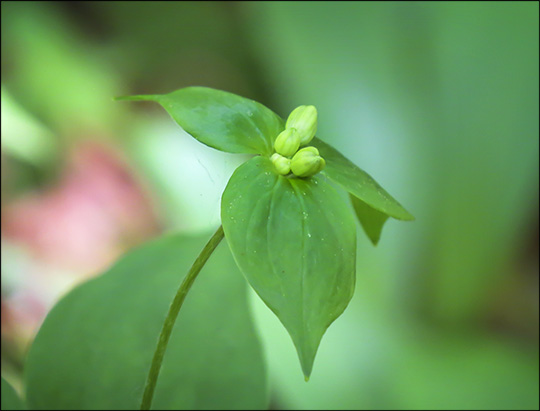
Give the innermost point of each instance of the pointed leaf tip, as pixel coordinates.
(221, 120)
(371, 220)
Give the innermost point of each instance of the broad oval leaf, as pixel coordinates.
(95, 347)
(10, 399)
(295, 241)
(359, 183)
(220, 119)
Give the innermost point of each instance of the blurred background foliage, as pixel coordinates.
(438, 101)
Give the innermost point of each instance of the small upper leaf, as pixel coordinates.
(221, 120)
(295, 241)
(10, 399)
(372, 221)
(359, 183)
(95, 347)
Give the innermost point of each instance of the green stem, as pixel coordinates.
(173, 313)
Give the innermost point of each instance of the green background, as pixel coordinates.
(437, 101)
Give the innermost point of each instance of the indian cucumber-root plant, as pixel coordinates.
(106, 344)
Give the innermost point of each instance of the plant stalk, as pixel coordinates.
(174, 309)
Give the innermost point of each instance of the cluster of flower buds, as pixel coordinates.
(299, 130)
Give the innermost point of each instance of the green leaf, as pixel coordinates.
(359, 183)
(221, 120)
(95, 347)
(295, 241)
(10, 399)
(372, 221)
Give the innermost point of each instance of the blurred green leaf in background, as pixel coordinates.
(10, 399)
(437, 101)
(94, 349)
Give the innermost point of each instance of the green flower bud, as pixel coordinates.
(307, 162)
(287, 142)
(282, 164)
(304, 120)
